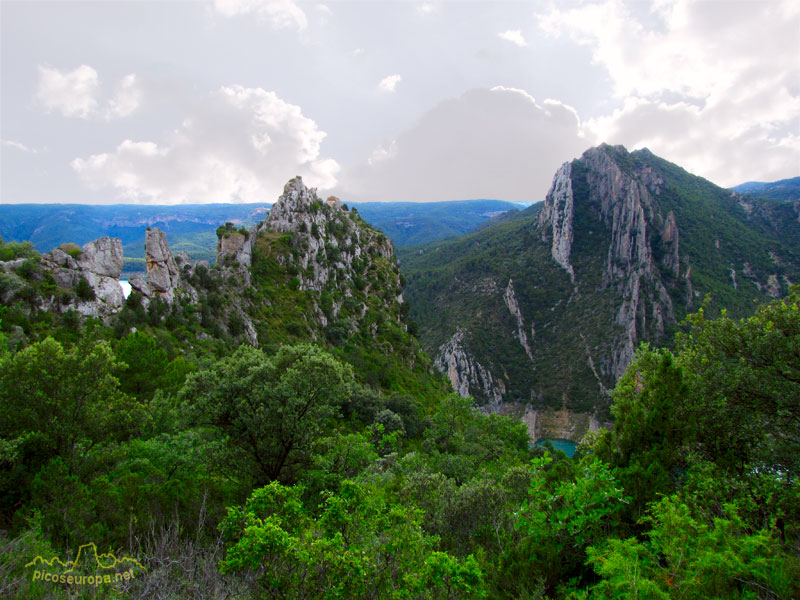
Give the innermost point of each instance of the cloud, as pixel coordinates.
(427, 8)
(72, 93)
(514, 36)
(498, 143)
(707, 85)
(76, 93)
(282, 14)
(389, 84)
(127, 98)
(240, 145)
(20, 146)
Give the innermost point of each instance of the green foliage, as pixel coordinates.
(689, 558)
(565, 511)
(84, 291)
(359, 546)
(15, 250)
(271, 408)
(72, 249)
(745, 377)
(650, 401)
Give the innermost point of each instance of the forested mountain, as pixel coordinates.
(785, 190)
(540, 315)
(270, 427)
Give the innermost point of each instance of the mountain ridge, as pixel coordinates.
(546, 310)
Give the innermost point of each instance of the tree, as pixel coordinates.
(688, 557)
(69, 399)
(56, 404)
(271, 408)
(361, 545)
(650, 428)
(745, 381)
(145, 364)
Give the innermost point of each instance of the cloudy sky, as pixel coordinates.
(225, 100)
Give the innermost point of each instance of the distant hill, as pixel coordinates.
(412, 223)
(191, 228)
(785, 190)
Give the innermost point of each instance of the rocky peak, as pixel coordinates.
(295, 200)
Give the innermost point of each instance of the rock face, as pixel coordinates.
(513, 306)
(556, 218)
(162, 271)
(465, 374)
(236, 247)
(102, 257)
(100, 265)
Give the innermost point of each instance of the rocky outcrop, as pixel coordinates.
(235, 247)
(102, 257)
(669, 238)
(100, 265)
(556, 218)
(162, 271)
(467, 376)
(510, 299)
(334, 251)
(548, 423)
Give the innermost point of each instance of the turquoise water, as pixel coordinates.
(565, 446)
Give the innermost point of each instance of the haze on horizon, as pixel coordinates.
(225, 100)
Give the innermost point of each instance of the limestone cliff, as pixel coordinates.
(556, 218)
(466, 375)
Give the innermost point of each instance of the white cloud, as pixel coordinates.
(72, 93)
(389, 84)
(497, 143)
(383, 152)
(240, 145)
(126, 100)
(514, 36)
(77, 93)
(427, 8)
(20, 146)
(710, 86)
(282, 14)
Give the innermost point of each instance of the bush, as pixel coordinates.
(72, 249)
(84, 290)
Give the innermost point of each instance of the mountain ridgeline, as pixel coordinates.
(312, 271)
(540, 315)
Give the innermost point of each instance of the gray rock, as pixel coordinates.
(162, 271)
(467, 376)
(102, 257)
(556, 217)
(140, 285)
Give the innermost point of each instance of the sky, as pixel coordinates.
(225, 100)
